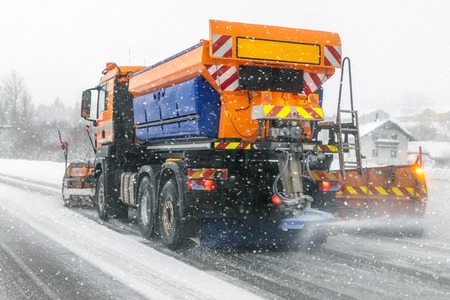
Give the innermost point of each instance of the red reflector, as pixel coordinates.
(202, 185)
(324, 186)
(276, 200)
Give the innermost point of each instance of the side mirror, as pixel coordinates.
(86, 101)
(93, 101)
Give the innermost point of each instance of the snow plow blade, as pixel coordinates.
(297, 230)
(78, 185)
(383, 191)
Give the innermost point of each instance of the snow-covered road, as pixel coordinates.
(32, 218)
(42, 242)
(34, 266)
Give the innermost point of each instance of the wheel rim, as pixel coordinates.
(168, 216)
(144, 208)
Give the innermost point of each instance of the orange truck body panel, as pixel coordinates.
(229, 47)
(384, 191)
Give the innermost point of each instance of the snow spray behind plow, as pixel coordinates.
(309, 227)
(398, 226)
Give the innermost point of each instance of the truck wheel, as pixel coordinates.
(146, 207)
(169, 215)
(100, 198)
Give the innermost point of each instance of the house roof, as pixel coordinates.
(367, 128)
(426, 116)
(375, 116)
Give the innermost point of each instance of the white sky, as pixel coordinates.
(399, 48)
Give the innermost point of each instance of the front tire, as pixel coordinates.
(100, 198)
(169, 215)
(146, 208)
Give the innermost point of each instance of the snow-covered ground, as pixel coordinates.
(124, 257)
(437, 217)
(41, 171)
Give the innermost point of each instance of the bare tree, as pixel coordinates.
(33, 134)
(26, 106)
(13, 87)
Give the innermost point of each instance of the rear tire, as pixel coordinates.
(146, 208)
(100, 198)
(169, 215)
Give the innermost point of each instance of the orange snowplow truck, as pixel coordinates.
(219, 141)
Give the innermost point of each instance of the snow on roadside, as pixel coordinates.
(124, 257)
(41, 171)
(437, 216)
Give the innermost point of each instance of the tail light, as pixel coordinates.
(329, 186)
(276, 200)
(202, 185)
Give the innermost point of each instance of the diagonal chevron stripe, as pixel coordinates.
(222, 45)
(332, 56)
(225, 76)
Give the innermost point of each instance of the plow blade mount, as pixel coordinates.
(302, 229)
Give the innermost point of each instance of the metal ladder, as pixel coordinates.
(346, 130)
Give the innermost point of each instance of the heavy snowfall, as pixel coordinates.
(48, 251)
(52, 251)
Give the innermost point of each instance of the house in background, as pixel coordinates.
(384, 142)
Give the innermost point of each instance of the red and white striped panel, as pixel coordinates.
(221, 45)
(225, 76)
(333, 56)
(312, 81)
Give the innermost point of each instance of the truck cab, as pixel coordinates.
(110, 107)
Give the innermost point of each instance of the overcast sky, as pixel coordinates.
(399, 49)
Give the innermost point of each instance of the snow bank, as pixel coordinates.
(124, 257)
(40, 171)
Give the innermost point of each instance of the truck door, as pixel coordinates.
(104, 133)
